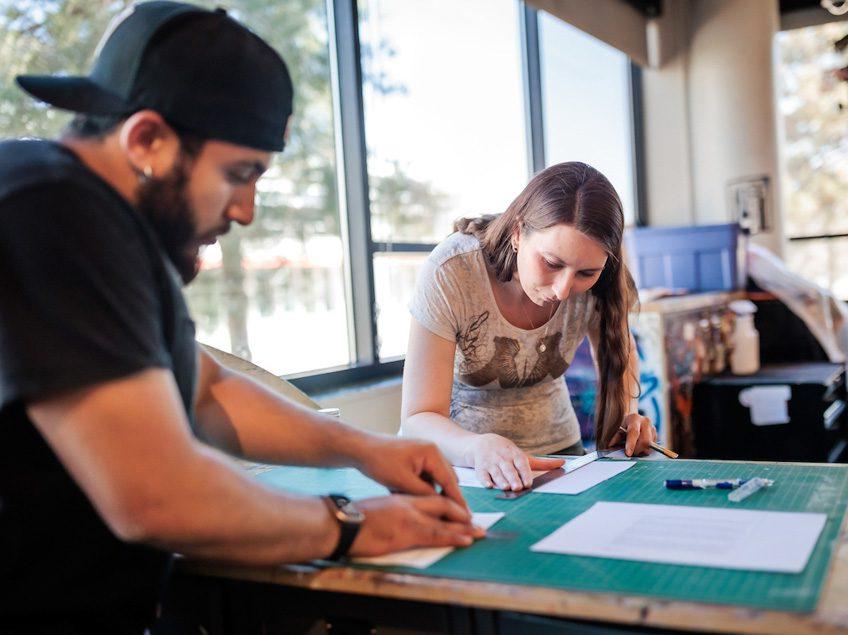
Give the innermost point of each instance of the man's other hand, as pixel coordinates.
(394, 523)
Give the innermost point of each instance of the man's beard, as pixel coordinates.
(164, 203)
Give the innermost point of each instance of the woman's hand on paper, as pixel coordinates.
(498, 462)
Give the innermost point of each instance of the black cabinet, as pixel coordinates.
(733, 418)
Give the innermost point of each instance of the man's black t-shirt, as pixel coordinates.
(86, 295)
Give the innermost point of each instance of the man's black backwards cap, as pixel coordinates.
(201, 70)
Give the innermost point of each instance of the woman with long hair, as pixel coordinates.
(499, 310)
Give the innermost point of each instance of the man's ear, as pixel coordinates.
(149, 143)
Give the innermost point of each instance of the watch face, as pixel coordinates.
(353, 514)
(347, 510)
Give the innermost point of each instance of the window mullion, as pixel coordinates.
(353, 177)
(531, 70)
(403, 248)
(637, 127)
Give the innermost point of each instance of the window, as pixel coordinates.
(814, 153)
(444, 116)
(43, 38)
(261, 287)
(587, 105)
(264, 286)
(419, 105)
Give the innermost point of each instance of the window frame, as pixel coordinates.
(353, 186)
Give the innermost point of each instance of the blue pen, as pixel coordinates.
(704, 483)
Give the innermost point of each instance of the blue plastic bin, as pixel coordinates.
(695, 258)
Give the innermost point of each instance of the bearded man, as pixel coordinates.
(112, 419)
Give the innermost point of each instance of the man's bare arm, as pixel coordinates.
(245, 418)
(128, 445)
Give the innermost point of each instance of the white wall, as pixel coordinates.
(375, 407)
(710, 111)
(668, 152)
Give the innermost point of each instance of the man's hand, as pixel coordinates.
(394, 523)
(498, 461)
(410, 466)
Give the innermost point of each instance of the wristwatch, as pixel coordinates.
(350, 519)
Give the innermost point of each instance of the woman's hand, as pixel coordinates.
(637, 439)
(500, 463)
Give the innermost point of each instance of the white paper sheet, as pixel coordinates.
(574, 483)
(423, 558)
(586, 477)
(699, 536)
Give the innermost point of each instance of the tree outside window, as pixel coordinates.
(813, 103)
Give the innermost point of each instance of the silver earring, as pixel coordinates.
(146, 174)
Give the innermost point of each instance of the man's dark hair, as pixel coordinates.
(96, 127)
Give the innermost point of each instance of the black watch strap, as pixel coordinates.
(349, 524)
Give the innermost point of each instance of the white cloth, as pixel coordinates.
(769, 404)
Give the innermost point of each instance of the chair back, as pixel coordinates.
(264, 377)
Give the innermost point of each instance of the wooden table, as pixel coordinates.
(495, 600)
(255, 599)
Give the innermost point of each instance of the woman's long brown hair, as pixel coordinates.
(577, 195)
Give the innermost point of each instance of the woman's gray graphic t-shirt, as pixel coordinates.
(506, 380)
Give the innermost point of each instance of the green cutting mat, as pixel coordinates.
(806, 488)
